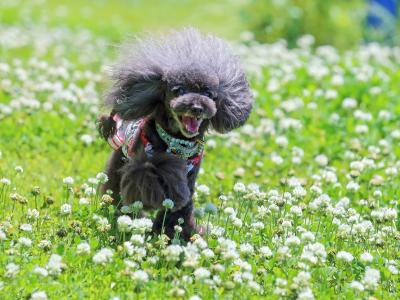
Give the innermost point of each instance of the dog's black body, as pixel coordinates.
(187, 83)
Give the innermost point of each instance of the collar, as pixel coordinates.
(180, 147)
(129, 131)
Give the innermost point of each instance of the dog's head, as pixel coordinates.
(192, 80)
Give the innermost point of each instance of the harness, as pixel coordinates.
(129, 131)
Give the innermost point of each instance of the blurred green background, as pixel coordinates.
(335, 22)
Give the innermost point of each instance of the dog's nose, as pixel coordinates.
(196, 110)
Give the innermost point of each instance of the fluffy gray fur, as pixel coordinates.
(148, 64)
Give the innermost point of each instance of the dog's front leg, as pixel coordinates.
(154, 179)
(186, 213)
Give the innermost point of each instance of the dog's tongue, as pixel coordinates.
(191, 124)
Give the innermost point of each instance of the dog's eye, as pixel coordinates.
(208, 94)
(178, 90)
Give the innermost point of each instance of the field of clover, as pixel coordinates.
(300, 203)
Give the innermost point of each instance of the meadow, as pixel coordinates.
(300, 203)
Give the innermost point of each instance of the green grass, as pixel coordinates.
(297, 117)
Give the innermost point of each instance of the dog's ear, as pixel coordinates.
(234, 103)
(134, 96)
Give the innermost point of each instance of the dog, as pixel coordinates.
(167, 92)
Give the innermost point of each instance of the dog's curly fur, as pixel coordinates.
(184, 73)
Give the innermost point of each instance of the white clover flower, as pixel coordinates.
(286, 224)
(371, 278)
(201, 273)
(366, 257)
(265, 251)
(246, 249)
(178, 228)
(26, 227)
(349, 103)
(254, 286)
(195, 297)
(258, 225)
(384, 115)
(314, 253)
(19, 169)
(276, 159)
(5, 181)
(87, 139)
(345, 256)
(296, 210)
(299, 192)
(356, 285)
(211, 143)
(39, 295)
(280, 289)
(65, 209)
(292, 241)
(384, 214)
(93, 181)
(130, 264)
(103, 256)
(137, 239)
(44, 244)
(393, 269)
(353, 186)
(11, 270)
(102, 177)
(3, 236)
(172, 252)
(244, 265)
(68, 181)
(32, 214)
(301, 280)
(126, 209)
(128, 248)
(40, 271)
(54, 266)
(361, 129)
(227, 248)
(239, 187)
(90, 191)
(142, 225)
(308, 236)
(137, 252)
(283, 252)
(25, 242)
(124, 223)
(168, 204)
(208, 253)
(203, 189)
(305, 294)
(316, 189)
(84, 201)
(239, 172)
(282, 141)
(200, 243)
(237, 222)
(83, 248)
(230, 211)
(140, 276)
(321, 160)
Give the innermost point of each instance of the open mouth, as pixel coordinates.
(190, 123)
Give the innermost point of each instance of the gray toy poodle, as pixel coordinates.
(167, 92)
